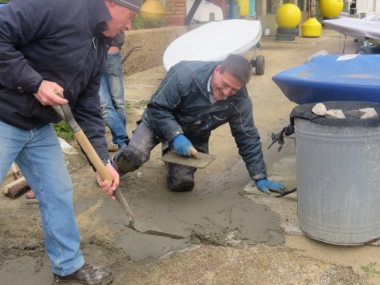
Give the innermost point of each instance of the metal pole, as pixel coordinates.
(231, 9)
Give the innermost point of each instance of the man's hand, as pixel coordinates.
(109, 186)
(46, 95)
(182, 145)
(265, 185)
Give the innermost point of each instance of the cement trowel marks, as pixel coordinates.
(222, 216)
(241, 221)
(218, 216)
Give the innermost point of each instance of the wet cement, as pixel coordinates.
(219, 214)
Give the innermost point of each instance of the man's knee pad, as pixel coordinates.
(129, 159)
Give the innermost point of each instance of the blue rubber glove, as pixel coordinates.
(182, 145)
(265, 185)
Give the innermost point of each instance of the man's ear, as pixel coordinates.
(110, 3)
(216, 70)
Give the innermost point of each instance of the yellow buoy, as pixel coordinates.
(331, 8)
(244, 7)
(152, 9)
(311, 28)
(288, 16)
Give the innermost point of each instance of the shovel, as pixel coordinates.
(197, 159)
(65, 113)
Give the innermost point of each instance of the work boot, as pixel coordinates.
(113, 147)
(183, 186)
(86, 275)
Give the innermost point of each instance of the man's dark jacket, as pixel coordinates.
(58, 41)
(181, 105)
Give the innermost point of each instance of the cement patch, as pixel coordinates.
(220, 216)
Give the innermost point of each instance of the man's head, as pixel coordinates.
(122, 12)
(230, 76)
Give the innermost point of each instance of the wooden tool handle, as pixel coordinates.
(194, 152)
(98, 164)
(65, 113)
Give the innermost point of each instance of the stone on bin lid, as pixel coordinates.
(354, 112)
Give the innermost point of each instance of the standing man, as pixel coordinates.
(112, 95)
(193, 99)
(48, 46)
(353, 7)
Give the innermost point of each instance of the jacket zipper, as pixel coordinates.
(95, 44)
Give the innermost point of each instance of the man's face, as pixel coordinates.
(224, 85)
(121, 19)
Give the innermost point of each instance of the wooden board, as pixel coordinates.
(213, 41)
(201, 162)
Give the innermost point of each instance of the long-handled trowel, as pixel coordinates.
(65, 113)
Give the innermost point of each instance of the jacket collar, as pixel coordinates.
(203, 75)
(99, 16)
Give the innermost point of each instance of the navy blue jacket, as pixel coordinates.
(181, 105)
(58, 41)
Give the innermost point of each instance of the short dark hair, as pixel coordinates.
(238, 66)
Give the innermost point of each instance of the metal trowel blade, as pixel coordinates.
(141, 228)
(202, 161)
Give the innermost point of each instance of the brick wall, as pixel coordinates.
(223, 5)
(175, 12)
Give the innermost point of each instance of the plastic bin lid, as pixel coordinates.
(304, 111)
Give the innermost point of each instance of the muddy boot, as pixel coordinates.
(85, 275)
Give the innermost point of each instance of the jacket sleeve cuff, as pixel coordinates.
(33, 88)
(173, 135)
(258, 177)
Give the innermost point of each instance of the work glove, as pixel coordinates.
(265, 185)
(182, 145)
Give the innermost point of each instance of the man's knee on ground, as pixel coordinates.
(130, 158)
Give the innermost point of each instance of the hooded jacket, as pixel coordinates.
(181, 105)
(58, 41)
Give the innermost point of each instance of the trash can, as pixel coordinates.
(338, 173)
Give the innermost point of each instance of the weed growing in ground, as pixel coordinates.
(370, 270)
(63, 131)
(137, 105)
(132, 106)
(143, 103)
